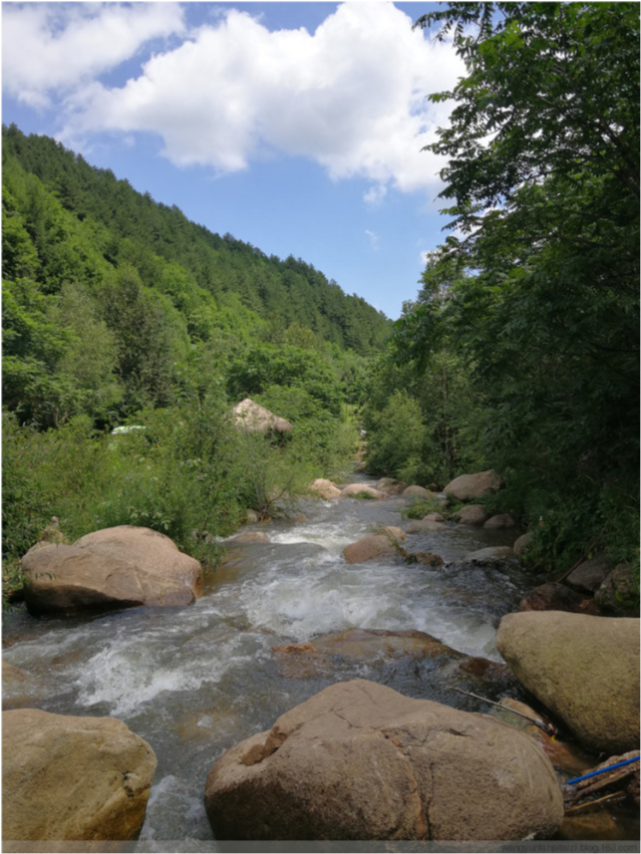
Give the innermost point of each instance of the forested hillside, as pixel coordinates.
(116, 308)
(521, 350)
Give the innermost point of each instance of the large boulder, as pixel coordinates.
(112, 568)
(584, 669)
(370, 548)
(72, 778)
(361, 490)
(254, 418)
(589, 575)
(417, 491)
(360, 761)
(324, 488)
(469, 486)
(502, 520)
(473, 514)
(391, 486)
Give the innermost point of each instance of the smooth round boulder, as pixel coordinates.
(465, 487)
(369, 548)
(522, 543)
(360, 761)
(473, 514)
(325, 489)
(361, 490)
(433, 517)
(584, 669)
(112, 568)
(501, 520)
(73, 778)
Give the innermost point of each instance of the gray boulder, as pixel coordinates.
(589, 575)
(473, 514)
(360, 761)
(469, 486)
(584, 669)
(502, 520)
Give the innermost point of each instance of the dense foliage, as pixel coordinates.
(119, 310)
(535, 292)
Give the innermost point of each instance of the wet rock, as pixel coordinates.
(326, 489)
(491, 554)
(469, 486)
(433, 517)
(72, 778)
(522, 543)
(114, 567)
(486, 671)
(418, 491)
(502, 520)
(369, 548)
(361, 490)
(589, 575)
(599, 825)
(423, 526)
(20, 689)
(425, 558)
(360, 761)
(251, 537)
(584, 669)
(557, 597)
(391, 486)
(473, 514)
(397, 534)
(615, 590)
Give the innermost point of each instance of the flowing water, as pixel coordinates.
(194, 681)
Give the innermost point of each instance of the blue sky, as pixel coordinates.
(296, 127)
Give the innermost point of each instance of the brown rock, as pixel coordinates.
(369, 548)
(20, 689)
(433, 517)
(397, 534)
(114, 567)
(326, 489)
(361, 490)
(502, 520)
(557, 597)
(522, 543)
(72, 778)
(589, 575)
(360, 761)
(584, 669)
(615, 590)
(391, 486)
(469, 486)
(473, 514)
(251, 537)
(426, 558)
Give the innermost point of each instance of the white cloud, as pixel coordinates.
(374, 239)
(351, 96)
(55, 46)
(423, 257)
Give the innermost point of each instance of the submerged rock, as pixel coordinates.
(584, 669)
(72, 778)
(370, 548)
(360, 761)
(115, 567)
